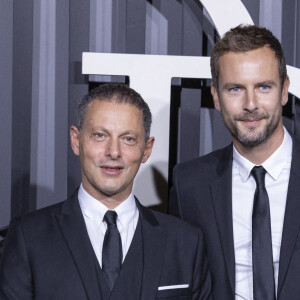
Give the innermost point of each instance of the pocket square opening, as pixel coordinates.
(172, 287)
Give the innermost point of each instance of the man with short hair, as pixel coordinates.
(245, 197)
(102, 243)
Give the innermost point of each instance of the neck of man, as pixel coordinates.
(260, 153)
(110, 200)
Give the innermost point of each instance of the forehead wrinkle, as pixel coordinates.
(111, 122)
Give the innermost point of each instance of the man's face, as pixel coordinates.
(250, 97)
(111, 146)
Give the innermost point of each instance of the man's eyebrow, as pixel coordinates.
(267, 82)
(128, 132)
(96, 128)
(230, 85)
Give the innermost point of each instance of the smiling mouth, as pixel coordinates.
(112, 170)
(251, 120)
(251, 117)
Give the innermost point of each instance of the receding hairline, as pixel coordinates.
(117, 93)
(114, 100)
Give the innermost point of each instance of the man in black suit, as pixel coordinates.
(101, 243)
(250, 217)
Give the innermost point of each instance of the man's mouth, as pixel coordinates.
(250, 122)
(251, 117)
(112, 170)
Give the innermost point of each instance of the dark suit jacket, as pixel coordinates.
(48, 255)
(201, 194)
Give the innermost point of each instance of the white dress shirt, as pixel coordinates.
(93, 212)
(278, 167)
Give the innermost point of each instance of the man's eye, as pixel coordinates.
(264, 88)
(99, 135)
(129, 140)
(235, 89)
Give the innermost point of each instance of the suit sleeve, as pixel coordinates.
(15, 274)
(202, 285)
(175, 208)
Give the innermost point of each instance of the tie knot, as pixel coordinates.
(258, 172)
(110, 217)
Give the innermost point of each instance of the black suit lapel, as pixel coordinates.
(154, 249)
(292, 216)
(73, 228)
(221, 190)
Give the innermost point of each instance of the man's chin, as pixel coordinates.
(110, 192)
(250, 139)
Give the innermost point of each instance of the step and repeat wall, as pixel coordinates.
(53, 52)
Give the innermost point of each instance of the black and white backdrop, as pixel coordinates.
(41, 82)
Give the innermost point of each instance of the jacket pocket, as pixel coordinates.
(183, 293)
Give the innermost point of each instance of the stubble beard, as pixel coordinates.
(252, 136)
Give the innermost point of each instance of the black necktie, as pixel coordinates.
(262, 255)
(112, 249)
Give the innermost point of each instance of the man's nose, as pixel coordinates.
(250, 101)
(113, 148)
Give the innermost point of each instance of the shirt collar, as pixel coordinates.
(95, 210)
(273, 165)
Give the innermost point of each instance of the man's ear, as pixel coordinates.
(148, 149)
(215, 95)
(74, 135)
(285, 91)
